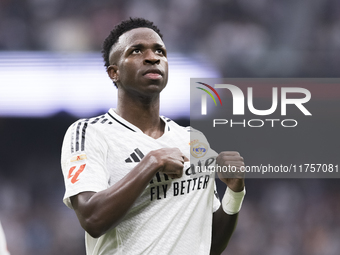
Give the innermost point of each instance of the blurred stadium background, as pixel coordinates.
(51, 74)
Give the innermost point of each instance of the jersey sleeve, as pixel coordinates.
(83, 160)
(3, 245)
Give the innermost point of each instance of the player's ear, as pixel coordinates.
(113, 73)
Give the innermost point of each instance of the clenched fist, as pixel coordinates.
(171, 161)
(230, 165)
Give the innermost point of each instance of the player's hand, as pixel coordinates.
(171, 161)
(232, 176)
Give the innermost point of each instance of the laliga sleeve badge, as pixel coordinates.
(198, 149)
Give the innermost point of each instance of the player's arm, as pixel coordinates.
(225, 218)
(101, 211)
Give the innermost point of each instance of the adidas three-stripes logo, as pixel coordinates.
(135, 156)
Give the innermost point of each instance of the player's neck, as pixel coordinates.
(143, 113)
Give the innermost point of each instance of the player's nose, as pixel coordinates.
(151, 58)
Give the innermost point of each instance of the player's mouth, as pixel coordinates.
(153, 74)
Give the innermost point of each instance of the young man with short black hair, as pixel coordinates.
(127, 172)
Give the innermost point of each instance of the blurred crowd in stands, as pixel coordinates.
(241, 38)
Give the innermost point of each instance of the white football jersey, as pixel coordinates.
(3, 244)
(171, 216)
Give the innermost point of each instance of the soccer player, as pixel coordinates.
(127, 172)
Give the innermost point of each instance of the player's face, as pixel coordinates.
(140, 64)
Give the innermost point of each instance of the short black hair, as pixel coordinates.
(122, 28)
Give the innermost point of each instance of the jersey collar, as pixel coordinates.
(132, 127)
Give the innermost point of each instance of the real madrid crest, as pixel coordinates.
(198, 149)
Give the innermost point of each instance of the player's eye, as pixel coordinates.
(136, 51)
(159, 51)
